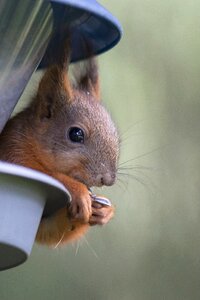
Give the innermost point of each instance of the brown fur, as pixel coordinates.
(38, 138)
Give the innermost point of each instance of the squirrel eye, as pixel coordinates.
(76, 135)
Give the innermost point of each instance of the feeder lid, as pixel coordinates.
(82, 18)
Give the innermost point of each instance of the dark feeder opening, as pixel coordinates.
(30, 34)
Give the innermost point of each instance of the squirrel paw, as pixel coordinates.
(81, 207)
(101, 214)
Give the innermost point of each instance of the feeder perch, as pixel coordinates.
(30, 33)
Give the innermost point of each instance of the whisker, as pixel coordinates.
(136, 167)
(142, 155)
(60, 240)
(130, 127)
(77, 247)
(128, 139)
(145, 181)
(90, 247)
(135, 178)
(121, 184)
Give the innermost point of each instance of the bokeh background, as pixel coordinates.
(151, 249)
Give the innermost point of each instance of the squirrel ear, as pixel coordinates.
(89, 82)
(54, 89)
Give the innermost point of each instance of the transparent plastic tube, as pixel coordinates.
(25, 29)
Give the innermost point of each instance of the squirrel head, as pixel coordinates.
(76, 132)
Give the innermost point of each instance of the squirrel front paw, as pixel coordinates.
(101, 214)
(81, 206)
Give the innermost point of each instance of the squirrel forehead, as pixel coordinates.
(93, 115)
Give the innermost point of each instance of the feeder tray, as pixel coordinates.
(26, 196)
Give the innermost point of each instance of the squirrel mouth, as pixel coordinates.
(81, 180)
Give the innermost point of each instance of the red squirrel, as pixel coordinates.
(66, 133)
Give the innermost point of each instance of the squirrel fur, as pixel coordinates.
(38, 138)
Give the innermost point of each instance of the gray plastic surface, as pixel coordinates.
(24, 194)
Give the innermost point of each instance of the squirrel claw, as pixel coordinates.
(101, 214)
(81, 209)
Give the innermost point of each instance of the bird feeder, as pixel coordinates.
(30, 33)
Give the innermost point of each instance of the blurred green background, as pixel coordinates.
(151, 249)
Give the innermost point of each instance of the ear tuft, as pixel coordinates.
(89, 82)
(55, 88)
(55, 82)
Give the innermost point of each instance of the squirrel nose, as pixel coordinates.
(106, 179)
